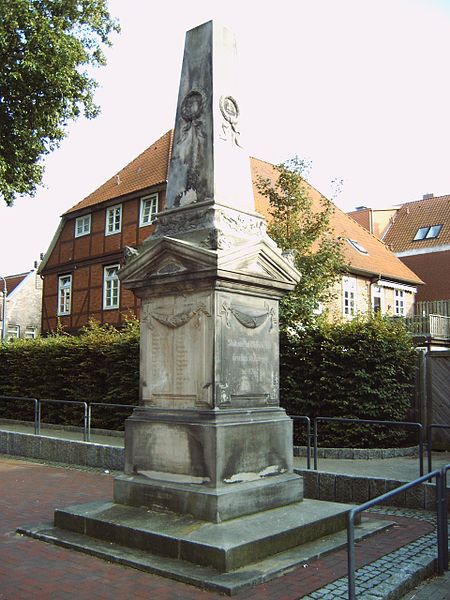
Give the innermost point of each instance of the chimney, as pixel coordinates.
(427, 196)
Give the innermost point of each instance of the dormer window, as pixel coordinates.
(357, 246)
(430, 232)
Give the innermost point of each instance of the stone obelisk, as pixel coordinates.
(209, 437)
(209, 494)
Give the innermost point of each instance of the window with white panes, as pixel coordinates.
(111, 287)
(30, 333)
(13, 332)
(349, 296)
(377, 299)
(149, 208)
(83, 225)
(113, 220)
(64, 294)
(399, 307)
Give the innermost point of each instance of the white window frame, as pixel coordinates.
(30, 332)
(111, 287)
(348, 296)
(13, 332)
(113, 220)
(378, 292)
(399, 303)
(149, 208)
(64, 295)
(83, 225)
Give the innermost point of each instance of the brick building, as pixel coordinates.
(81, 264)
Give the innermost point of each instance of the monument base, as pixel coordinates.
(226, 557)
(209, 504)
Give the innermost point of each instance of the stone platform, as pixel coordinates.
(226, 557)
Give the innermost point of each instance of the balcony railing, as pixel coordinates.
(437, 327)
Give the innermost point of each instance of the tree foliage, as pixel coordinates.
(46, 49)
(297, 226)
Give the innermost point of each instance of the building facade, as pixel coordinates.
(80, 267)
(23, 306)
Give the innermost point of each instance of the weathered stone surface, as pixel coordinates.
(360, 489)
(208, 162)
(327, 482)
(343, 489)
(223, 546)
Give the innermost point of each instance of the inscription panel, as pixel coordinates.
(249, 363)
(176, 356)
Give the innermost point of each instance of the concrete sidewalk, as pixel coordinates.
(402, 468)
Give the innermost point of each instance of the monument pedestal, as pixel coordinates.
(214, 465)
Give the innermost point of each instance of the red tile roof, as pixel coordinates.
(150, 168)
(147, 170)
(379, 260)
(413, 215)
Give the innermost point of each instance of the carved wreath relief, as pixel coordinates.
(230, 112)
(191, 146)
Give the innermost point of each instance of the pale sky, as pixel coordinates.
(359, 87)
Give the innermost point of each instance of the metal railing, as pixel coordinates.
(429, 441)
(441, 529)
(36, 409)
(87, 411)
(105, 404)
(306, 420)
(436, 326)
(75, 402)
(405, 424)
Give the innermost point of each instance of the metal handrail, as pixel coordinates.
(370, 422)
(429, 438)
(37, 428)
(441, 518)
(108, 404)
(85, 418)
(307, 420)
(444, 499)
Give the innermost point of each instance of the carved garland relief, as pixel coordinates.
(250, 321)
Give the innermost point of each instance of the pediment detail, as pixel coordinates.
(261, 259)
(166, 257)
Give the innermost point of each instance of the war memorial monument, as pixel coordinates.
(208, 495)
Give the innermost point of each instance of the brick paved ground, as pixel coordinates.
(32, 569)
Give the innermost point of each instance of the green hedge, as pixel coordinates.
(362, 369)
(99, 365)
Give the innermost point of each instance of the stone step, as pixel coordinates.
(223, 546)
(206, 577)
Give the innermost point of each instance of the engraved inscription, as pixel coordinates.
(181, 362)
(249, 356)
(176, 354)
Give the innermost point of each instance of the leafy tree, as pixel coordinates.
(46, 47)
(297, 226)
